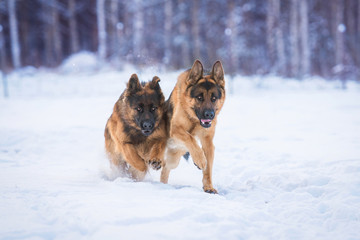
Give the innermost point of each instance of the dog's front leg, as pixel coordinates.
(190, 143)
(208, 147)
(156, 160)
(132, 157)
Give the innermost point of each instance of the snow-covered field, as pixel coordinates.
(287, 164)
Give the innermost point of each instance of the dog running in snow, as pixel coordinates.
(135, 134)
(191, 113)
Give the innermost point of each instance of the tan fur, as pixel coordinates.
(184, 124)
(128, 150)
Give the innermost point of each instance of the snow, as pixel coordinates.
(80, 62)
(287, 163)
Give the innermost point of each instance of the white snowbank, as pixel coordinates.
(80, 62)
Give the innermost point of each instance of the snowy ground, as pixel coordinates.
(287, 164)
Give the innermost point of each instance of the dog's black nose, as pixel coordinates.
(147, 125)
(209, 114)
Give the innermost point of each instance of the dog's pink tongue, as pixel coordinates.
(205, 120)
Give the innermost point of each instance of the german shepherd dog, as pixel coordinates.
(191, 110)
(135, 134)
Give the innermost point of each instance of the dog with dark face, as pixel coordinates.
(191, 113)
(135, 134)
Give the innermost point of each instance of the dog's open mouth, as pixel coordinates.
(205, 123)
(146, 132)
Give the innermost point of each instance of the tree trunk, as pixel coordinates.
(232, 32)
(304, 38)
(56, 32)
(358, 19)
(25, 37)
(114, 19)
(350, 40)
(275, 38)
(48, 38)
(2, 50)
(358, 39)
(294, 46)
(168, 30)
(339, 35)
(126, 39)
(14, 34)
(74, 36)
(140, 52)
(185, 53)
(280, 46)
(195, 29)
(270, 36)
(209, 36)
(2, 63)
(100, 12)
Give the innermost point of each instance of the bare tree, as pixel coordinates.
(339, 30)
(185, 53)
(52, 35)
(74, 36)
(2, 50)
(351, 42)
(294, 36)
(232, 32)
(14, 34)
(47, 37)
(100, 13)
(140, 52)
(168, 30)
(195, 29)
(56, 31)
(270, 36)
(114, 35)
(304, 38)
(358, 14)
(358, 38)
(274, 37)
(2, 63)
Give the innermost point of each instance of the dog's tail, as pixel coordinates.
(186, 156)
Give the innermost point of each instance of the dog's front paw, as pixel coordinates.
(155, 163)
(210, 190)
(200, 161)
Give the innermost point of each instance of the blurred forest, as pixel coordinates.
(291, 38)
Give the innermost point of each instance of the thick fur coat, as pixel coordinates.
(191, 113)
(136, 134)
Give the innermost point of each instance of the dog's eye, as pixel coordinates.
(200, 98)
(139, 109)
(153, 109)
(213, 99)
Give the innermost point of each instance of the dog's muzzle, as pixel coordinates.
(147, 127)
(209, 115)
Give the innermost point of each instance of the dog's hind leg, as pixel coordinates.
(164, 177)
(116, 161)
(136, 174)
(172, 159)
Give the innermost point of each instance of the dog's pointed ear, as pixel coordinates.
(133, 85)
(217, 73)
(196, 72)
(154, 84)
